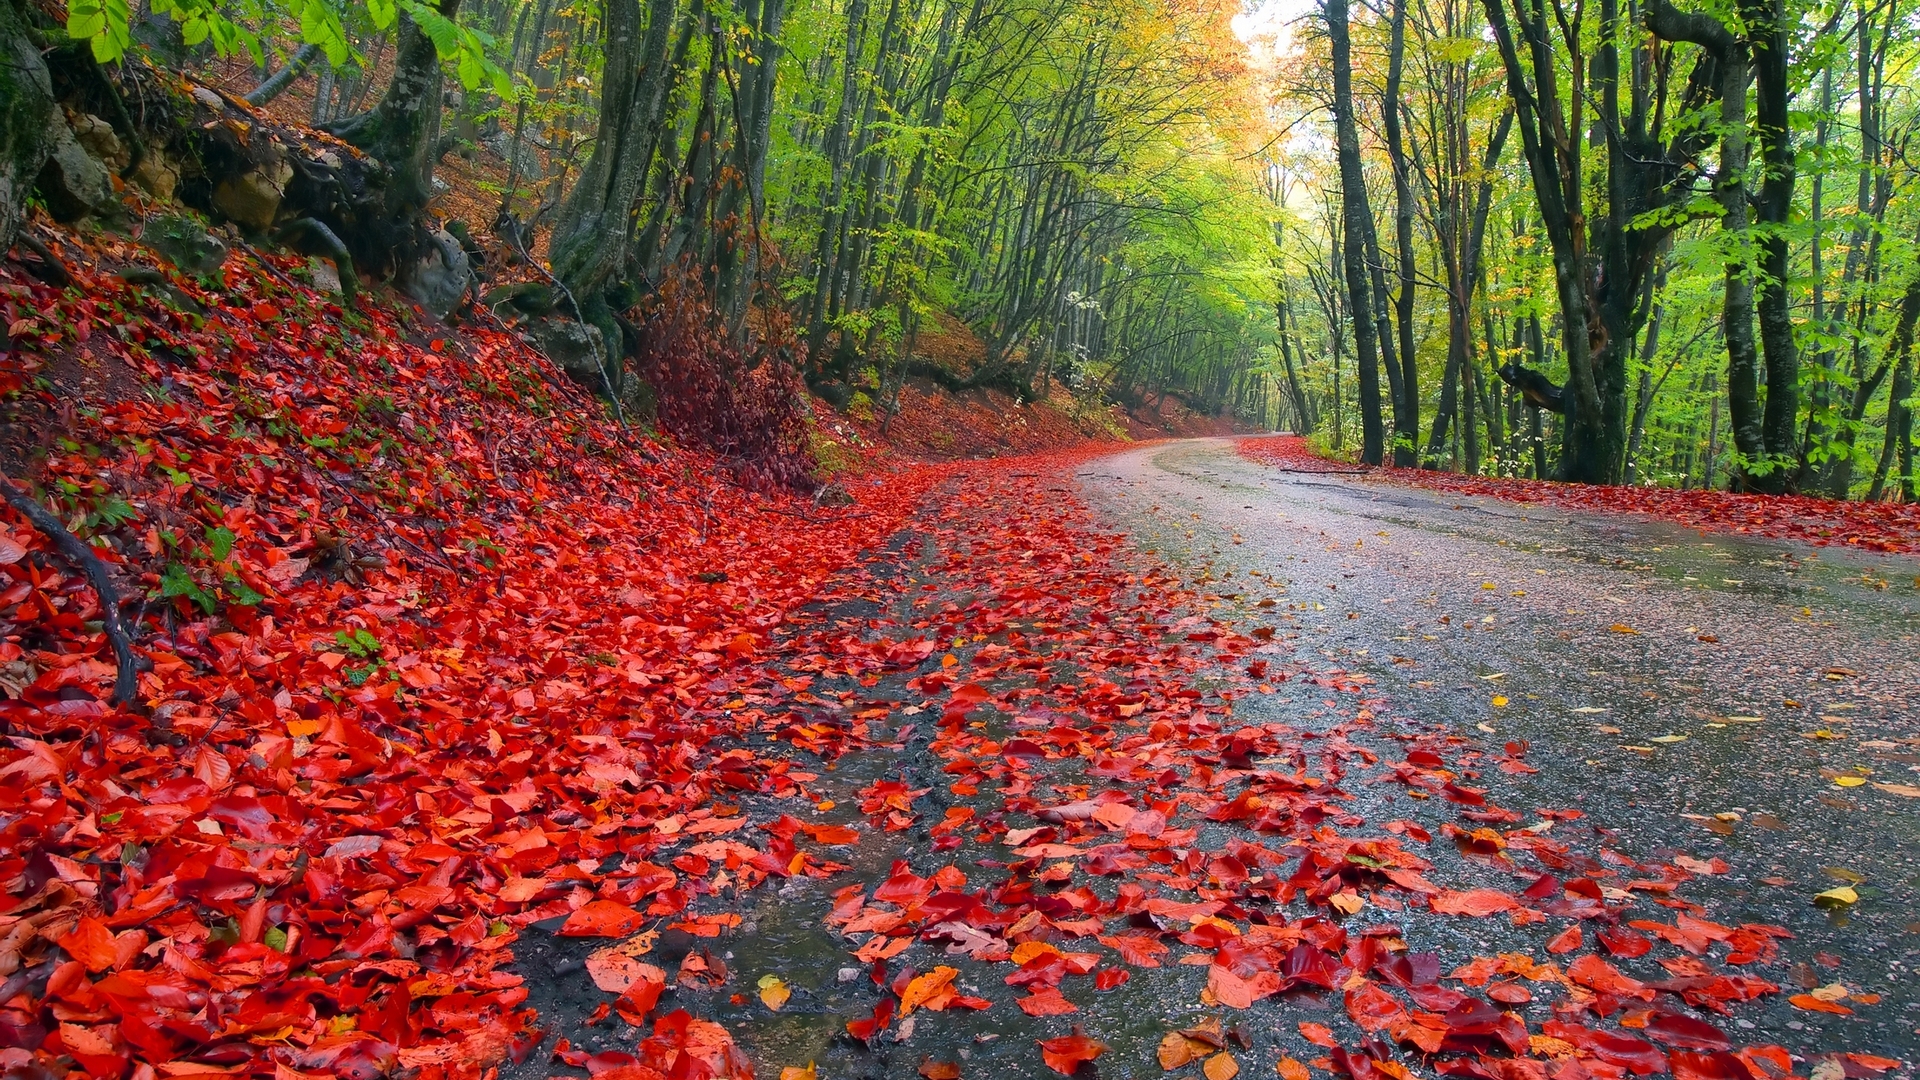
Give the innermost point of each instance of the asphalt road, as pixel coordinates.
(1695, 693)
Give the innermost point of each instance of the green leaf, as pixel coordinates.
(177, 582)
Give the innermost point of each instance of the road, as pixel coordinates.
(1665, 685)
(1450, 602)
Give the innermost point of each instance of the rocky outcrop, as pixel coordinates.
(439, 279)
(74, 183)
(252, 199)
(579, 348)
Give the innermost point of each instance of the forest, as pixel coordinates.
(704, 539)
(1612, 245)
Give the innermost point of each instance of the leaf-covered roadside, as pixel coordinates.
(434, 656)
(1871, 526)
(1127, 789)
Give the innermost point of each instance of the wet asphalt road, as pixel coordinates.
(1448, 601)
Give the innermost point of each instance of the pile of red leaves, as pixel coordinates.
(1893, 527)
(744, 409)
(435, 653)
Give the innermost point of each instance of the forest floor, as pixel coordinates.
(483, 732)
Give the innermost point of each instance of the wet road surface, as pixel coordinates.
(1667, 682)
(1757, 673)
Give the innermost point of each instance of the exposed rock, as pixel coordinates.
(157, 175)
(579, 348)
(836, 394)
(326, 277)
(639, 401)
(186, 244)
(252, 199)
(525, 297)
(832, 494)
(73, 182)
(100, 140)
(439, 280)
(209, 98)
(500, 145)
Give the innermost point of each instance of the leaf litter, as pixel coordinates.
(444, 659)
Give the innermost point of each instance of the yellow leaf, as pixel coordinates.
(1831, 992)
(1622, 628)
(774, 993)
(1499, 700)
(1221, 1066)
(1669, 738)
(1835, 897)
(927, 990)
(1849, 781)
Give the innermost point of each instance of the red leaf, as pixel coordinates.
(1046, 1002)
(602, 918)
(1478, 903)
(1067, 1053)
(1566, 941)
(91, 943)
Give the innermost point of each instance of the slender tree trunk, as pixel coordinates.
(1358, 222)
(1406, 413)
(1768, 30)
(278, 83)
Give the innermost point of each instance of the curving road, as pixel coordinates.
(1695, 693)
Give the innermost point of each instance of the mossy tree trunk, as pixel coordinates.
(590, 239)
(26, 107)
(402, 130)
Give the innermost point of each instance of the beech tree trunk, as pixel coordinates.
(402, 129)
(1358, 225)
(590, 238)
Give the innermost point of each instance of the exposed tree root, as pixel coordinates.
(126, 681)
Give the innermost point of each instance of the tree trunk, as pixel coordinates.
(1406, 412)
(590, 238)
(401, 131)
(278, 83)
(1768, 45)
(26, 105)
(1358, 223)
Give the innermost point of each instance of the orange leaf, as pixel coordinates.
(602, 918)
(924, 990)
(91, 943)
(1814, 1004)
(1318, 1034)
(1066, 1053)
(1221, 1066)
(1289, 1069)
(1046, 1002)
(1478, 903)
(1566, 941)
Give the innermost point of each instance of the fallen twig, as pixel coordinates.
(48, 267)
(126, 681)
